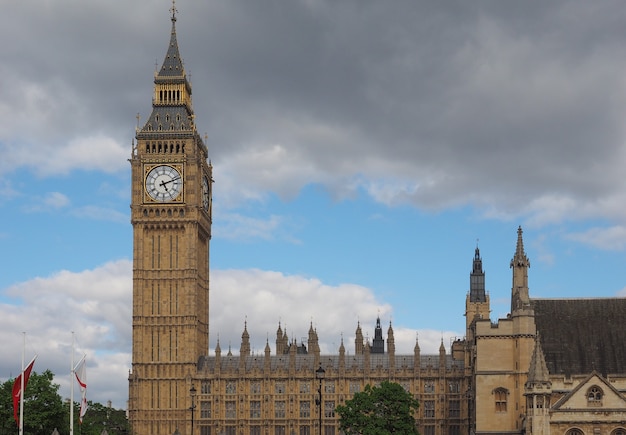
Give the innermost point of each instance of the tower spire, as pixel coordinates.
(477, 279)
(520, 258)
(519, 293)
(172, 64)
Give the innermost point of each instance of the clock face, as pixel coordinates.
(164, 183)
(205, 193)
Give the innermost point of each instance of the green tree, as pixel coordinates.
(43, 407)
(379, 410)
(99, 417)
(44, 410)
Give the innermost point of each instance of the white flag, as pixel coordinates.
(81, 376)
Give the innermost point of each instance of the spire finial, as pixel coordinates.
(520, 259)
(173, 10)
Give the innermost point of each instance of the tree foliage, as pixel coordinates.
(44, 411)
(43, 406)
(379, 410)
(100, 417)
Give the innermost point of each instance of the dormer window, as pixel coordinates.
(594, 396)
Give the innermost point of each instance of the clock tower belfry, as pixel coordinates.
(171, 219)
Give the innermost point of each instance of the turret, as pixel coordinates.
(267, 362)
(477, 301)
(342, 358)
(538, 390)
(218, 357)
(417, 354)
(279, 341)
(391, 342)
(358, 340)
(519, 293)
(378, 345)
(442, 357)
(244, 350)
(313, 342)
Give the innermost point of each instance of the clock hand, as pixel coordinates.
(163, 183)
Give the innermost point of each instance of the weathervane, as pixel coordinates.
(173, 10)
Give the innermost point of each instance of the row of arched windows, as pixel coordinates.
(165, 147)
(169, 96)
(160, 127)
(164, 212)
(576, 431)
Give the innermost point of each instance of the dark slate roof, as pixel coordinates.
(172, 64)
(579, 336)
(171, 119)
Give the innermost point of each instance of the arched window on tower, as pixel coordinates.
(574, 431)
(500, 395)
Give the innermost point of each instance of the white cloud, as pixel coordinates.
(98, 152)
(56, 200)
(96, 305)
(238, 227)
(610, 239)
(265, 298)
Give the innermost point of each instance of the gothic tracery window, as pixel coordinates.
(500, 398)
(594, 396)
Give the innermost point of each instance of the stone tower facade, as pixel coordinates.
(171, 218)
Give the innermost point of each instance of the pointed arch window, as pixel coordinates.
(594, 396)
(501, 396)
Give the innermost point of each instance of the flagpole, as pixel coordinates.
(21, 428)
(72, 389)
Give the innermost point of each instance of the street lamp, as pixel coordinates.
(319, 374)
(192, 391)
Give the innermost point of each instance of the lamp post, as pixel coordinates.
(319, 374)
(192, 391)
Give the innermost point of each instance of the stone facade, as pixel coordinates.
(549, 367)
(278, 393)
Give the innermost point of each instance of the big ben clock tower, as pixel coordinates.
(171, 218)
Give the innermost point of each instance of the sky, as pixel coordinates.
(361, 151)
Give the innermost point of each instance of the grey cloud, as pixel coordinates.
(484, 103)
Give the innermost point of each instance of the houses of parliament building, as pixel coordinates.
(551, 366)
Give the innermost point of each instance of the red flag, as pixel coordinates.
(17, 389)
